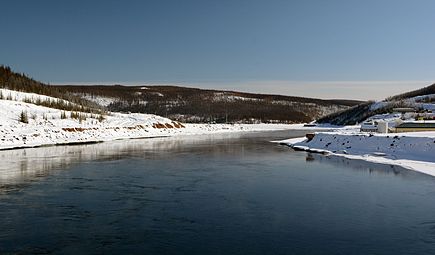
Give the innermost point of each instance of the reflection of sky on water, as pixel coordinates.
(23, 164)
(364, 166)
(227, 195)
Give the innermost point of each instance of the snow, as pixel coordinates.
(413, 151)
(386, 117)
(378, 105)
(22, 96)
(158, 94)
(422, 98)
(46, 127)
(415, 102)
(100, 100)
(429, 107)
(226, 96)
(393, 119)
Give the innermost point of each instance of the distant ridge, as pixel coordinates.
(207, 105)
(419, 92)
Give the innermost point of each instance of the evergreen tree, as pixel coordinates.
(23, 117)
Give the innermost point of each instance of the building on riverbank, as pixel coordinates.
(415, 127)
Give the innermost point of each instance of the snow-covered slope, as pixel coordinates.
(411, 150)
(414, 151)
(201, 105)
(13, 95)
(48, 126)
(358, 114)
(100, 100)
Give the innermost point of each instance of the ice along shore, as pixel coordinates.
(415, 151)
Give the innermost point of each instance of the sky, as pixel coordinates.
(352, 49)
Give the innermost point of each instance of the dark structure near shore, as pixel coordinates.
(415, 127)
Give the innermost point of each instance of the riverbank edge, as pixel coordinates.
(170, 133)
(423, 166)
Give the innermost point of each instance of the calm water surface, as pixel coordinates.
(235, 194)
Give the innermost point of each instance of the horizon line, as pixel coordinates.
(363, 90)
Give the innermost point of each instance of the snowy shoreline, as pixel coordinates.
(48, 126)
(414, 151)
(36, 136)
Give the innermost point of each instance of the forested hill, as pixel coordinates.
(204, 105)
(179, 103)
(421, 100)
(21, 82)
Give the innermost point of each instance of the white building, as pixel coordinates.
(369, 126)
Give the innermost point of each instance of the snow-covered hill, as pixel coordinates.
(49, 126)
(414, 150)
(201, 105)
(422, 100)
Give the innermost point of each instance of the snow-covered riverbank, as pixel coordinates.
(415, 151)
(20, 136)
(49, 126)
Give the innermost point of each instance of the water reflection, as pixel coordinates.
(364, 166)
(17, 166)
(227, 194)
(21, 164)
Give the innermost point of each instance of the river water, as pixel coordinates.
(221, 194)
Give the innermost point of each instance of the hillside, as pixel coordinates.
(421, 100)
(183, 104)
(201, 105)
(25, 124)
(429, 90)
(20, 82)
(35, 114)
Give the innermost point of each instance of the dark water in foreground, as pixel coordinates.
(209, 195)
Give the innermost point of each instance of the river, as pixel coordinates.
(214, 194)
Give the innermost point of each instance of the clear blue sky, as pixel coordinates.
(346, 48)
